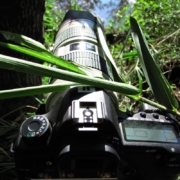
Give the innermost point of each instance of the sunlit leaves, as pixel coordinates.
(34, 68)
(155, 78)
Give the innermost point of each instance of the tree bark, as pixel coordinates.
(23, 17)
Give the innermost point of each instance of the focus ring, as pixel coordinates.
(72, 32)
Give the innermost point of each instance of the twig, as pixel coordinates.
(168, 37)
(27, 106)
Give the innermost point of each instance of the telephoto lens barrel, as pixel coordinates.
(77, 41)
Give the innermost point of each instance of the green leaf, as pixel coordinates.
(19, 92)
(155, 78)
(45, 56)
(139, 74)
(109, 59)
(34, 68)
(50, 58)
(129, 54)
(23, 40)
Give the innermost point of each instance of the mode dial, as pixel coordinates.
(35, 127)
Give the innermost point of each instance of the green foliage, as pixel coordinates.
(34, 68)
(160, 17)
(36, 50)
(52, 19)
(75, 6)
(108, 55)
(154, 77)
(149, 67)
(159, 21)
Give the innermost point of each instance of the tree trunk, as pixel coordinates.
(22, 17)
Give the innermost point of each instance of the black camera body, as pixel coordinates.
(82, 133)
(85, 136)
(76, 138)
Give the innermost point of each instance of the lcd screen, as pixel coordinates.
(149, 131)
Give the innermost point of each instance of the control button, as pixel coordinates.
(167, 118)
(88, 116)
(87, 112)
(156, 116)
(143, 114)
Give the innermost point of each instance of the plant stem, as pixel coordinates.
(159, 106)
(124, 44)
(7, 164)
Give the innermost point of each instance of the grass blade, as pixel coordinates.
(24, 41)
(44, 57)
(28, 91)
(58, 61)
(155, 78)
(34, 68)
(37, 50)
(108, 55)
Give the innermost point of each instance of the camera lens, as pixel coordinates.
(77, 40)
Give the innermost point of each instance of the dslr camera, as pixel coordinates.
(81, 134)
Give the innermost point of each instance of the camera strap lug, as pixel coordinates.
(12, 148)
